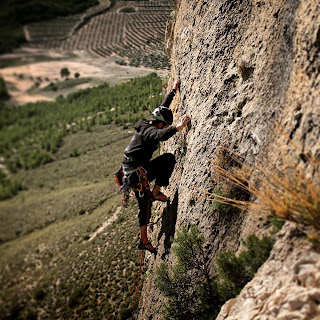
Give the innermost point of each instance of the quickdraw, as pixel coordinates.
(143, 181)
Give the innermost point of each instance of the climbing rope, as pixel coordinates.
(140, 267)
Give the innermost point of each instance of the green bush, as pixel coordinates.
(128, 10)
(32, 158)
(125, 313)
(219, 206)
(75, 297)
(74, 153)
(235, 272)
(277, 224)
(39, 294)
(188, 284)
(64, 72)
(120, 219)
(194, 293)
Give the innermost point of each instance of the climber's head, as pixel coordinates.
(163, 115)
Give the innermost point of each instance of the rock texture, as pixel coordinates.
(287, 286)
(243, 65)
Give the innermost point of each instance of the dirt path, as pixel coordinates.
(105, 224)
(29, 66)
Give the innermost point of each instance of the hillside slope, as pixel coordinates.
(68, 249)
(243, 65)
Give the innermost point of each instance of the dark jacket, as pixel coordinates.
(146, 139)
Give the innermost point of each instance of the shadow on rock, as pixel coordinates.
(169, 223)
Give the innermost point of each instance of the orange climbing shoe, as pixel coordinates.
(159, 197)
(147, 246)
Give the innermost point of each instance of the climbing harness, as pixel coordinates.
(135, 180)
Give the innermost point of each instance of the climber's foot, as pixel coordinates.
(159, 197)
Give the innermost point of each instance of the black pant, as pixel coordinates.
(159, 169)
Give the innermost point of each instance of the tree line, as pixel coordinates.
(31, 134)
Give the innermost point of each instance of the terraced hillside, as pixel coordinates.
(130, 29)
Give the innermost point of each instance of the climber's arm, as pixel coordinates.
(169, 97)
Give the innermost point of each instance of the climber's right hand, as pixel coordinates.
(176, 85)
(183, 122)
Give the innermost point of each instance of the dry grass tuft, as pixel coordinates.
(286, 192)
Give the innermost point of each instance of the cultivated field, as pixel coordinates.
(22, 69)
(134, 30)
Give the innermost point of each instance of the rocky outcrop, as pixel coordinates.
(243, 65)
(287, 286)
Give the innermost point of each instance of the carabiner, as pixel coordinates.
(141, 193)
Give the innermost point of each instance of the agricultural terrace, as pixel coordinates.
(134, 30)
(14, 14)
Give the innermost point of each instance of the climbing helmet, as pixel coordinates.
(163, 114)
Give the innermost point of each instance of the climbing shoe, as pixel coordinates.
(159, 197)
(147, 246)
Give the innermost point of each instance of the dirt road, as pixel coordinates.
(27, 71)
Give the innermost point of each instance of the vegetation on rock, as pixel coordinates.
(192, 291)
(286, 192)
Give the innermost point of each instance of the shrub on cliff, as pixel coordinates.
(285, 191)
(190, 289)
(235, 272)
(194, 293)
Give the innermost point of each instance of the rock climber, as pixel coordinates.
(138, 154)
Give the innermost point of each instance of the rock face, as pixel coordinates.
(243, 65)
(287, 286)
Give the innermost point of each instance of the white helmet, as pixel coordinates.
(163, 114)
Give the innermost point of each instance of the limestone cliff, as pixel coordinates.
(243, 65)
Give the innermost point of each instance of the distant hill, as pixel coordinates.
(14, 14)
(133, 30)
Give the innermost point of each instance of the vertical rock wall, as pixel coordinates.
(243, 65)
